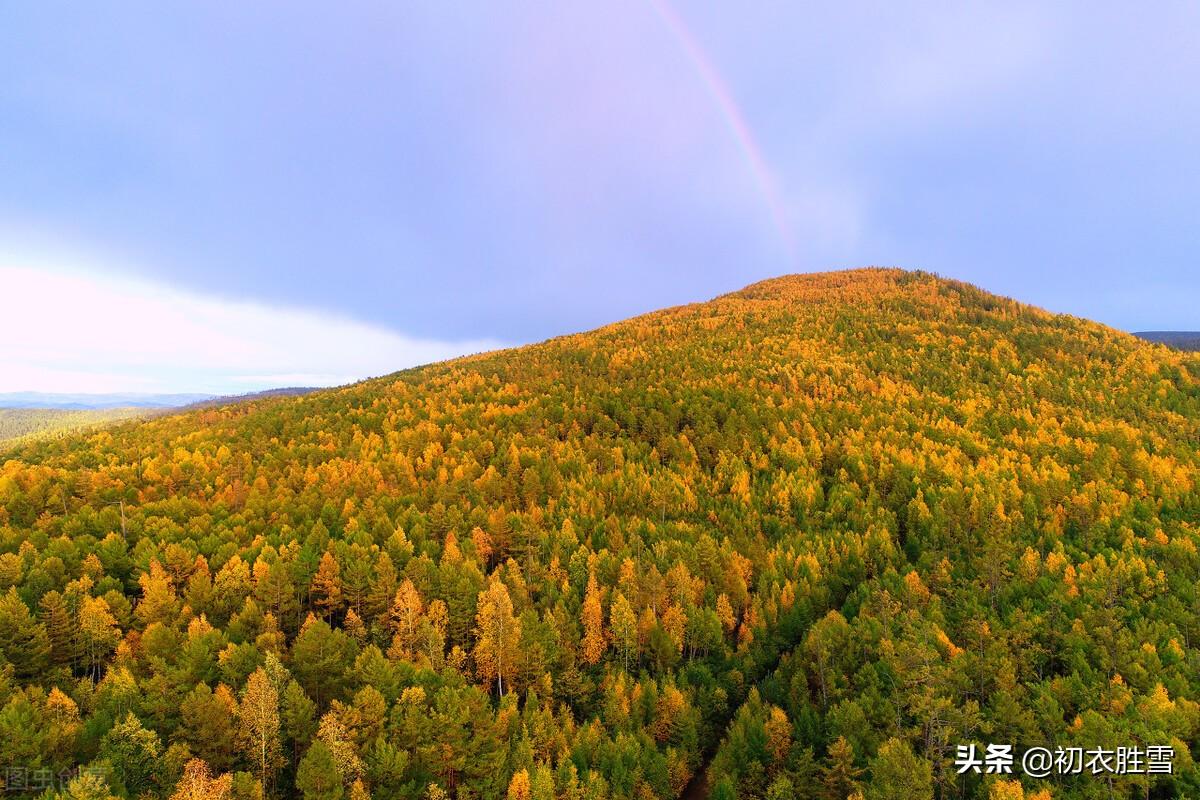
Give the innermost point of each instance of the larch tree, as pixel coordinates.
(198, 783)
(498, 632)
(405, 617)
(624, 627)
(98, 633)
(593, 623)
(327, 586)
(258, 726)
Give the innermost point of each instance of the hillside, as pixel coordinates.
(828, 527)
(17, 424)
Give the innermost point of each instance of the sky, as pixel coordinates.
(227, 197)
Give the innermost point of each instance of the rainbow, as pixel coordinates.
(734, 118)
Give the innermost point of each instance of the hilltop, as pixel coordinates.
(828, 527)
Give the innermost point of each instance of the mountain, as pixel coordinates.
(74, 413)
(17, 424)
(79, 402)
(822, 531)
(1181, 340)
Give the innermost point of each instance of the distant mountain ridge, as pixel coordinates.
(83, 401)
(1180, 340)
(19, 423)
(148, 401)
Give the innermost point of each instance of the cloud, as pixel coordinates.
(72, 329)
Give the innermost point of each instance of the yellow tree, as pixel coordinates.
(198, 783)
(593, 623)
(725, 613)
(159, 602)
(624, 627)
(258, 725)
(779, 735)
(518, 787)
(405, 617)
(499, 632)
(98, 632)
(327, 586)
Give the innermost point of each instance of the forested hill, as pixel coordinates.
(17, 424)
(829, 527)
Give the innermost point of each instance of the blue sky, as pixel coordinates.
(397, 182)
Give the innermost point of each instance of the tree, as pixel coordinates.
(98, 633)
(60, 628)
(321, 657)
(299, 717)
(318, 777)
(159, 602)
(779, 735)
(840, 776)
(899, 774)
(725, 613)
(405, 618)
(133, 755)
(498, 633)
(593, 623)
(65, 724)
(23, 640)
(88, 786)
(332, 732)
(518, 787)
(327, 586)
(258, 726)
(624, 627)
(198, 783)
(207, 724)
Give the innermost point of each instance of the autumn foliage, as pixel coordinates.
(822, 530)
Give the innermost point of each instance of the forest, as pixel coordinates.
(24, 424)
(801, 541)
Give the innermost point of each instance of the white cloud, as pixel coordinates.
(66, 329)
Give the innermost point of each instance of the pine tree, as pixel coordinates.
(299, 717)
(207, 724)
(840, 777)
(23, 640)
(318, 777)
(899, 774)
(133, 753)
(60, 628)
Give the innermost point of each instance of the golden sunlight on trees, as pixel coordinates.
(800, 541)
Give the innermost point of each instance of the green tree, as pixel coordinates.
(318, 777)
(132, 754)
(899, 774)
(23, 640)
